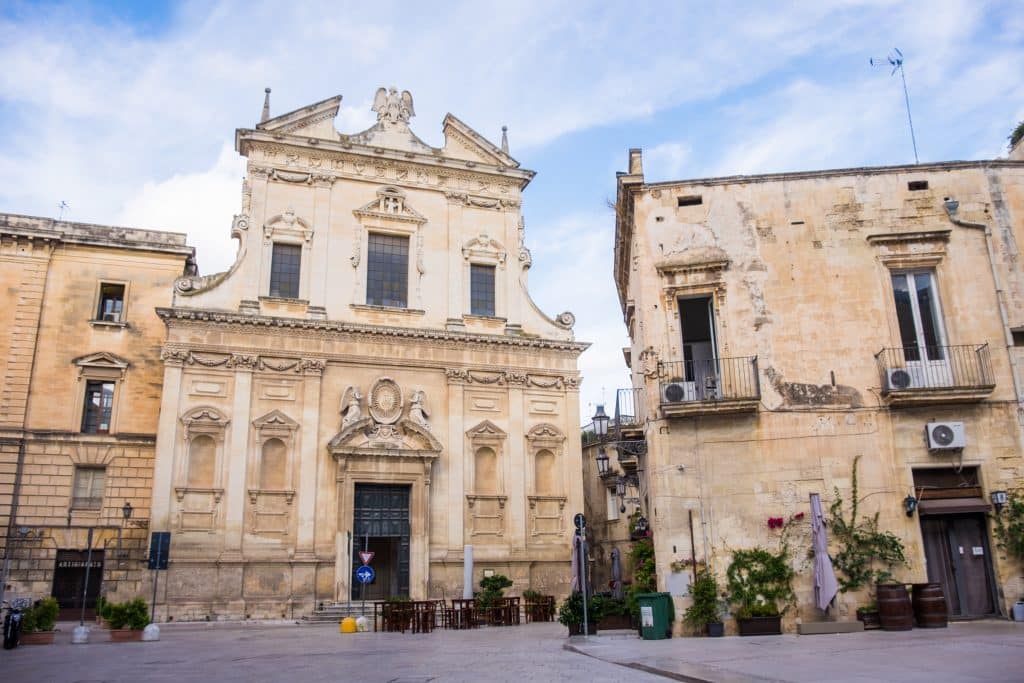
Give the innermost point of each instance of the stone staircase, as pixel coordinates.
(334, 612)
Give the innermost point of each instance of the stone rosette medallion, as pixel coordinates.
(386, 402)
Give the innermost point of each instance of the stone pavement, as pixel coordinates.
(978, 651)
(249, 652)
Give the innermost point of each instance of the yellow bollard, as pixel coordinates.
(348, 625)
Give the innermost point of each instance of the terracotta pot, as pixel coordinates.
(37, 638)
(125, 635)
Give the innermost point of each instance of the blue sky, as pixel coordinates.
(127, 110)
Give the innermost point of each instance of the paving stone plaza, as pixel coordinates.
(531, 652)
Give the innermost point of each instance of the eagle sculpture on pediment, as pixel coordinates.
(392, 107)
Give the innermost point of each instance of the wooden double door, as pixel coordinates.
(69, 581)
(957, 551)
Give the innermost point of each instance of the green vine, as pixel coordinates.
(861, 545)
(641, 553)
(1016, 135)
(1009, 524)
(760, 582)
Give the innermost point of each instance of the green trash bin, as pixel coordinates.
(656, 614)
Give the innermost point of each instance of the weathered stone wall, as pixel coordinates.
(799, 267)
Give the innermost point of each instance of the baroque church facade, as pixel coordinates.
(369, 375)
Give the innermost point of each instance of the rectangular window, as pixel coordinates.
(387, 270)
(285, 264)
(919, 317)
(99, 404)
(481, 290)
(111, 305)
(88, 489)
(613, 505)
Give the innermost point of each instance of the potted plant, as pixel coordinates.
(614, 614)
(103, 612)
(760, 584)
(570, 614)
(38, 621)
(703, 613)
(868, 615)
(127, 619)
(539, 607)
(488, 602)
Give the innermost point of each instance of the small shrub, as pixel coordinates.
(571, 611)
(532, 595)
(704, 609)
(133, 615)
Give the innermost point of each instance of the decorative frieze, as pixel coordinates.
(243, 361)
(503, 378)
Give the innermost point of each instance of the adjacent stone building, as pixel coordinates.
(370, 375)
(81, 372)
(782, 325)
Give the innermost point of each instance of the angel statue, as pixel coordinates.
(393, 107)
(350, 409)
(418, 412)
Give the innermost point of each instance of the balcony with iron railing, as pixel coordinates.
(627, 426)
(711, 386)
(916, 375)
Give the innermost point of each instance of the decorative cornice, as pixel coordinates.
(329, 328)
(241, 361)
(910, 237)
(503, 378)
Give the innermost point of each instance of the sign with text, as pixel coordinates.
(159, 549)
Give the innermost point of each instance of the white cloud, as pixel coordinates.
(666, 161)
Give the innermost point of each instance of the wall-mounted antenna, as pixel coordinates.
(62, 206)
(895, 60)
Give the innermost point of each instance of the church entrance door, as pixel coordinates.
(381, 525)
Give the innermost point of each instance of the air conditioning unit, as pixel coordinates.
(679, 392)
(898, 379)
(944, 436)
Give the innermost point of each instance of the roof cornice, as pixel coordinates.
(204, 317)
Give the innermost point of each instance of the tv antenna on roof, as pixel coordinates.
(895, 60)
(62, 206)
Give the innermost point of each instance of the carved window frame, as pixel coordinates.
(378, 217)
(99, 367)
(484, 251)
(286, 228)
(486, 434)
(202, 421)
(273, 425)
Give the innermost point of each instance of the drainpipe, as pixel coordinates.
(952, 206)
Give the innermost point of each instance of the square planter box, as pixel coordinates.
(125, 635)
(715, 630)
(618, 621)
(760, 626)
(577, 629)
(37, 638)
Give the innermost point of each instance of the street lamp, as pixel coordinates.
(910, 504)
(998, 499)
(126, 510)
(602, 462)
(600, 422)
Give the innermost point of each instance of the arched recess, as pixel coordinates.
(546, 453)
(198, 483)
(486, 465)
(271, 478)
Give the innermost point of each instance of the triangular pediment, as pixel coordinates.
(275, 419)
(486, 429)
(315, 120)
(102, 359)
(462, 142)
(390, 204)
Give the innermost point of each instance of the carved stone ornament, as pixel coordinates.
(392, 107)
(649, 362)
(351, 406)
(418, 412)
(174, 356)
(566, 320)
(385, 402)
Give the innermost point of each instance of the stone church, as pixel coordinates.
(369, 375)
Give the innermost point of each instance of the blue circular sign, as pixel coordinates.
(365, 574)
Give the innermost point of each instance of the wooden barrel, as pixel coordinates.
(929, 605)
(894, 608)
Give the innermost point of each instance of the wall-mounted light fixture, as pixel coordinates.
(602, 462)
(998, 499)
(910, 504)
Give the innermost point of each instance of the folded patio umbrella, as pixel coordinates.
(825, 584)
(617, 573)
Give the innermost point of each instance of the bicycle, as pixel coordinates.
(12, 621)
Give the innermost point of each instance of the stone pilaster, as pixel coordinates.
(167, 437)
(237, 457)
(309, 447)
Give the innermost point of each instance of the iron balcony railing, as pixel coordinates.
(967, 366)
(714, 379)
(630, 409)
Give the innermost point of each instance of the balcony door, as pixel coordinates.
(922, 334)
(700, 348)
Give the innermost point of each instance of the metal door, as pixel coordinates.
(382, 512)
(69, 578)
